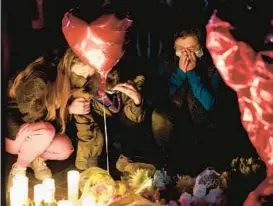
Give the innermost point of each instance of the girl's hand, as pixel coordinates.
(184, 61)
(79, 106)
(130, 91)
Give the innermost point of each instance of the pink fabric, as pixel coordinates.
(38, 139)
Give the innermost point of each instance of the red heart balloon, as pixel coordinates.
(100, 43)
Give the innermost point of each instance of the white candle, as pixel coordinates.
(19, 180)
(12, 196)
(64, 203)
(20, 185)
(16, 197)
(39, 191)
(89, 200)
(49, 186)
(73, 180)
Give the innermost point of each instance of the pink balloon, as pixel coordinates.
(100, 43)
(251, 77)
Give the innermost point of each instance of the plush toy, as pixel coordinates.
(125, 166)
(208, 187)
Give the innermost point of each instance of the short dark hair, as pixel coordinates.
(195, 32)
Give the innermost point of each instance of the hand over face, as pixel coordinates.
(130, 91)
(192, 58)
(187, 61)
(79, 106)
(183, 61)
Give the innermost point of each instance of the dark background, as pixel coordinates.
(21, 44)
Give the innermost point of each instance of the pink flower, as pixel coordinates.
(185, 199)
(185, 202)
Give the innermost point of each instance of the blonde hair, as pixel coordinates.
(58, 91)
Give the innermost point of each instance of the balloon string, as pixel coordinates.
(106, 138)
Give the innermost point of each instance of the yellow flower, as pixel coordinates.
(121, 188)
(249, 161)
(138, 178)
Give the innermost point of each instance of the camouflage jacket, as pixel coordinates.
(87, 128)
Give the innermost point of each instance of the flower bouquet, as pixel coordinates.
(97, 183)
(245, 166)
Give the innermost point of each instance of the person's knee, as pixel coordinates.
(47, 130)
(38, 129)
(10, 146)
(33, 131)
(65, 146)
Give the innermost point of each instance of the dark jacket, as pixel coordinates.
(193, 93)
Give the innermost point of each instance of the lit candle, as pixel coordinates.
(39, 191)
(16, 197)
(20, 185)
(73, 180)
(64, 203)
(49, 187)
(89, 200)
(12, 196)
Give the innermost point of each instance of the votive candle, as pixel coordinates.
(39, 191)
(73, 180)
(16, 197)
(64, 203)
(49, 187)
(20, 185)
(89, 200)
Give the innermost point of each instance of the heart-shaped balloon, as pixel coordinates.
(100, 43)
